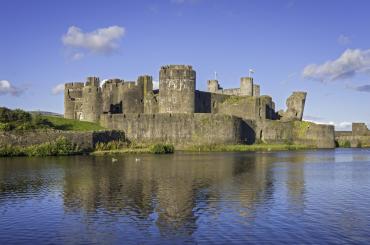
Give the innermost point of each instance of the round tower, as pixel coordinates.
(72, 94)
(213, 86)
(92, 100)
(246, 86)
(177, 89)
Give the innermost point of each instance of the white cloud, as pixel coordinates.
(7, 88)
(339, 126)
(155, 85)
(100, 41)
(350, 63)
(58, 89)
(343, 39)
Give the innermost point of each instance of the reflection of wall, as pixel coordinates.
(171, 186)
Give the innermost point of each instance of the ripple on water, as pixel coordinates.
(283, 197)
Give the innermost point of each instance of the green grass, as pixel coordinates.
(112, 148)
(71, 125)
(244, 148)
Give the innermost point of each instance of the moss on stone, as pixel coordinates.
(233, 99)
(301, 128)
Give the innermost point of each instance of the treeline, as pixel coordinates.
(21, 120)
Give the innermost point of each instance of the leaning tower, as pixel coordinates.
(176, 89)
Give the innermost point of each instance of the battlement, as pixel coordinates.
(75, 85)
(111, 83)
(177, 71)
(92, 81)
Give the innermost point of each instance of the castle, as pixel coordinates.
(180, 114)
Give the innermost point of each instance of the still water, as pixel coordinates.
(224, 198)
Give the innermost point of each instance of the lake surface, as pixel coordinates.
(277, 197)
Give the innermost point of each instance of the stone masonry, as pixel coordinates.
(178, 113)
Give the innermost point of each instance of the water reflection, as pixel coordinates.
(181, 195)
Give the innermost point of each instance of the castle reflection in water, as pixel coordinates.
(174, 193)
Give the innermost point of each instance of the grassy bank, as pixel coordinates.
(21, 120)
(117, 147)
(199, 148)
(61, 123)
(244, 148)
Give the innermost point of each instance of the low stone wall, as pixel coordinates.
(296, 132)
(85, 140)
(178, 129)
(354, 140)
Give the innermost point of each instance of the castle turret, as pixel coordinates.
(92, 100)
(213, 86)
(111, 102)
(256, 90)
(246, 86)
(177, 89)
(72, 99)
(146, 82)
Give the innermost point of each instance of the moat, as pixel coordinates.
(315, 197)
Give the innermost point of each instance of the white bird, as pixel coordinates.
(137, 159)
(114, 159)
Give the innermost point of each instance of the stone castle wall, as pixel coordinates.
(295, 132)
(178, 129)
(359, 136)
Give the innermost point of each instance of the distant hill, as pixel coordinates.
(47, 113)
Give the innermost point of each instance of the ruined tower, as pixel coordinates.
(92, 100)
(72, 99)
(246, 86)
(177, 89)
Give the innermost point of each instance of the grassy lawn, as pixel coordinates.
(72, 125)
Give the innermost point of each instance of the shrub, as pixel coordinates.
(11, 151)
(162, 149)
(40, 121)
(61, 146)
(17, 115)
(346, 144)
(111, 145)
(6, 127)
(25, 126)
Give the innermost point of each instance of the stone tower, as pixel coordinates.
(213, 86)
(92, 100)
(72, 99)
(246, 86)
(111, 102)
(146, 82)
(256, 90)
(177, 89)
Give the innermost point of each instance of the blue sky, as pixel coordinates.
(322, 47)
